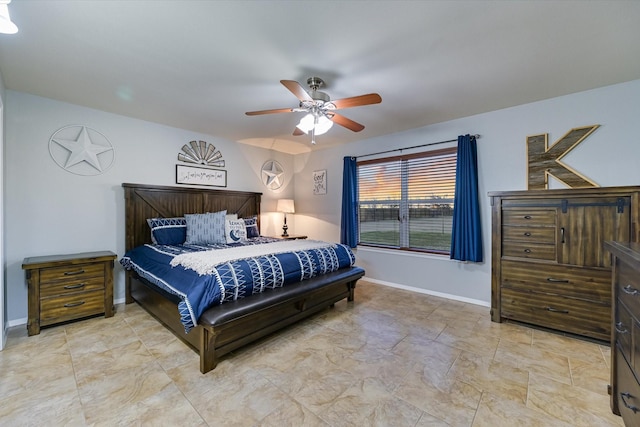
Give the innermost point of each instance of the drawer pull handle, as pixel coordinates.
(527, 251)
(552, 280)
(555, 310)
(629, 290)
(78, 286)
(620, 325)
(624, 396)
(562, 234)
(527, 234)
(73, 273)
(527, 217)
(73, 304)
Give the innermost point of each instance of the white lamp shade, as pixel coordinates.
(309, 121)
(6, 26)
(285, 205)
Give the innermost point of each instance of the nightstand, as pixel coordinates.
(290, 237)
(68, 287)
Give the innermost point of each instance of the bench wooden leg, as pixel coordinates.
(208, 358)
(352, 289)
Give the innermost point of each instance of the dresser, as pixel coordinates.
(549, 267)
(625, 340)
(62, 288)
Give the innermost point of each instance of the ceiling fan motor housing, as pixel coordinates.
(315, 83)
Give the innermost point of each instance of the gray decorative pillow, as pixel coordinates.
(204, 229)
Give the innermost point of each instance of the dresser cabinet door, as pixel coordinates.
(586, 223)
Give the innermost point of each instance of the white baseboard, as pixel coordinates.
(428, 292)
(17, 322)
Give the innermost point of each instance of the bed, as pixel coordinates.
(226, 326)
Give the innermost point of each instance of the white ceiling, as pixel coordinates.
(200, 65)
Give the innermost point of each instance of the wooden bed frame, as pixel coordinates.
(225, 327)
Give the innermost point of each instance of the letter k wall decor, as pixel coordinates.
(544, 160)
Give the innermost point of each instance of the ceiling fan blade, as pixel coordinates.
(279, 110)
(356, 101)
(343, 121)
(297, 132)
(297, 89)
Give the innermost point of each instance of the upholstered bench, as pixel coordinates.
(228, 326)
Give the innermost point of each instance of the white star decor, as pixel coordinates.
(272, 174)
(81, 150)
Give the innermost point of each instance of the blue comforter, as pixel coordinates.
(231, 280)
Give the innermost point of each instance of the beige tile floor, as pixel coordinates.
(392, 358)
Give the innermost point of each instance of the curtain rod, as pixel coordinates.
(409, 148)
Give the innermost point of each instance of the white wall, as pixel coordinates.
(51, 211)
(48, 210)
(610, 157)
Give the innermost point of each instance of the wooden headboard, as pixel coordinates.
(152, 201)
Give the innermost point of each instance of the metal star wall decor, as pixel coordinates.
(272, 174)
(81, 150)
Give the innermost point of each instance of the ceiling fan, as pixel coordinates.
(320, 109)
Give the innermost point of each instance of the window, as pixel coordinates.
(406, 202)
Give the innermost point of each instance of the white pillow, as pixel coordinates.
(235, 230)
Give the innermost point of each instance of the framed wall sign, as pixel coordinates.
(320, 182)
(194, 175)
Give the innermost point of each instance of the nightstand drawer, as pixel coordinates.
(71, 272)
(68, 307)
(78, 284)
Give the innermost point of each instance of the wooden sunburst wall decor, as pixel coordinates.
(201, 153)
(544, 161)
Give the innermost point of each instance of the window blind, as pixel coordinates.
(406, 202)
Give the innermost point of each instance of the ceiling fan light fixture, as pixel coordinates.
(321, 123)
(6, 26)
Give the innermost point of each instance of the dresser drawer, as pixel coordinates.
(72, 306)
(624, 330)
(528, 217)
(556, 312)
(529, 250)
(71, 272)
(627, 392)
(546, 235)
(78, 284)
(628, 284)
(582, 283)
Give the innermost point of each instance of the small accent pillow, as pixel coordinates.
(230, 216)
(235, 230)
(168, 231)
(204, 229)
(252, 227)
